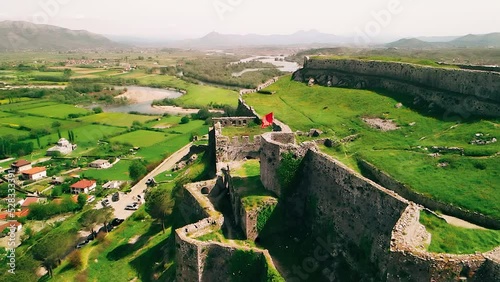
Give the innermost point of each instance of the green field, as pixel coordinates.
(4, 131)
(117, 119)
(85, 134)
(173, 142)
(446, 238)
(197, 95)
(14, 100)
(468, 181)
(4, 114)
(35, 122)
(140, 138)
(30, 104)
(118, 172)
(57, 111)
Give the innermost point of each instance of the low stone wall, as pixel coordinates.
(398, 187)
(409, 261)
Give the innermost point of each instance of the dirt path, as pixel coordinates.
(460, 223)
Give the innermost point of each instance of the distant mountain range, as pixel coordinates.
(218, 40)
(19, 35)
(469, 41)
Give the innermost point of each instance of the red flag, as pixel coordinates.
(267, 120)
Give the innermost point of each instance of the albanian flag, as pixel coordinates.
(267, 120)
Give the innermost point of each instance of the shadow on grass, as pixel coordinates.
(150, 265)
(128, 248)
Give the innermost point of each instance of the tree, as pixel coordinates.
(97, 110)
(203, 114)
(184, 120)
(91, 218)
(137, 124)
(107, 214)
(59, 134)
(67, 73)
(159, 204)
(52, 248)
(137, 169)
(82, 200)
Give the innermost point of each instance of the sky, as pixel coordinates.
(181, 19)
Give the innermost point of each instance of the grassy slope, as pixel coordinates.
(338, 112)
(455, 240)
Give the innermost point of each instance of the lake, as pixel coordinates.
(140, 99)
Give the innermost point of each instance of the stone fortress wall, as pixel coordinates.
(236, 148)
(362, 212)
(458, 91)
(330, 197)
(207, 261)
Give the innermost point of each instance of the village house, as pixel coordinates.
(18, 226)
(63, 146)
(35, 173)
(31, 200)
(102, 164)
(20, 166)
(83, 186)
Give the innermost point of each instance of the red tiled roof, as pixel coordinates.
(34, 170)
(82, 184)
(8, 224)
(21, 163)
(24, 212)
(29, 201)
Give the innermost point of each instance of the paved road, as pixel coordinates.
(138, 189)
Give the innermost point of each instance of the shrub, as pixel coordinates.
(184, 120)
(75, 259)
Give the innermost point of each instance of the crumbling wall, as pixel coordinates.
(463, 92)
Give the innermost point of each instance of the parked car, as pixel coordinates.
(92, 236)
(132, 207)
(91, 199)
(82, 244)
(105, 202)
(115, 197)
(105, 228)
(117, 221)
